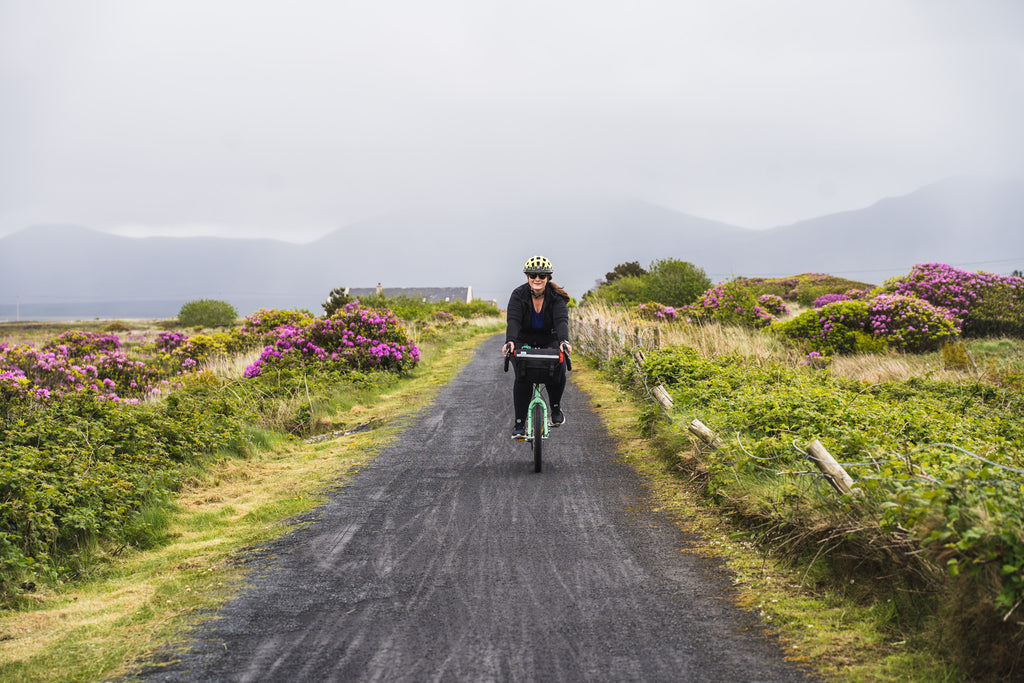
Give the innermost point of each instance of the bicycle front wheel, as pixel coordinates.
(538, 437)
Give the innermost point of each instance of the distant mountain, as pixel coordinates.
(971, 223)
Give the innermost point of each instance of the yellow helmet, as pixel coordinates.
(538, 264)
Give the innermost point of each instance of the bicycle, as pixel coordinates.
(537, 365)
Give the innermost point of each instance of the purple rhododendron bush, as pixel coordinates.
(899, 322)
(94, 430)
(984, 304)
(736, 303)
(915, 313)
(806, 288)
(355, 337)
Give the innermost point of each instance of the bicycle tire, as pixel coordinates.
(538, 438)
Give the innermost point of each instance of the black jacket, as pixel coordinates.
(520, 310)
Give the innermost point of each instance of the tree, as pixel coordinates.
(336, 300)
(207, 313)
(629, 269)
(675, 283)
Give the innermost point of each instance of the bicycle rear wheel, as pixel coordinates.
(538, 437)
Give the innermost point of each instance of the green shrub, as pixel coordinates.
(674, 283)
(207, 313)
(83, 469)
(836, 328)
(670, 282)
(628, 289)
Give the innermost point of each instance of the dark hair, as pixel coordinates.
(559, 290)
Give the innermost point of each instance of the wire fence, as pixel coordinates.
(605, 339)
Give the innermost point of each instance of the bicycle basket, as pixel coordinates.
(537, 365)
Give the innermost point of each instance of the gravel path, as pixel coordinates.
(449, 559)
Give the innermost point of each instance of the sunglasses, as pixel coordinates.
(537, 276)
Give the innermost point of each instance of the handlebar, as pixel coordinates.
(563, 357)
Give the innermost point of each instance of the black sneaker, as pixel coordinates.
(518, 433)
(557, 418)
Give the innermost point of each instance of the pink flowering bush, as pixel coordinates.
(983, 303)
(900, 322)
(168, 341)
(774, 304)
(733, 303)
(54, 371)
(263, 322)
(656, 312)
(805, 288)
(848, 295)
(910, 324)
(354, 337)
(78, 343)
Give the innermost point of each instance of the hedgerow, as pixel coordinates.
(80, 470)
(938, 468)
(94, 432)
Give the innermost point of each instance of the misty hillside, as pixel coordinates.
(973, 224)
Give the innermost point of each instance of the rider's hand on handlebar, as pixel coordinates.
(566, 347)
(509, 348)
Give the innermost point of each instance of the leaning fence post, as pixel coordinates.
(661, 394)
(833, 471)
(698, 429)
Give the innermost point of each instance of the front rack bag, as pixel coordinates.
(537, 364)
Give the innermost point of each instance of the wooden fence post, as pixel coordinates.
(662, 396)
(833, 471)
(698, 429)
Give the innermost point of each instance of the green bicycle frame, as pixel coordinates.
(538, 403)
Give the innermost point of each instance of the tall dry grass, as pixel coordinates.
(604, 331)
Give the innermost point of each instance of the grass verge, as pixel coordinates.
(841, 639)
(136, 602)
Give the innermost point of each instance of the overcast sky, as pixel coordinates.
(291, 119)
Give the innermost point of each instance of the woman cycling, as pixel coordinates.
(538, 316)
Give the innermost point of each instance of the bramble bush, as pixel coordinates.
(80, 469)
(892, 437)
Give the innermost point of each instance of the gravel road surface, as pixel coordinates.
(449, 559)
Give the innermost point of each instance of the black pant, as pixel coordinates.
(522, 392)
